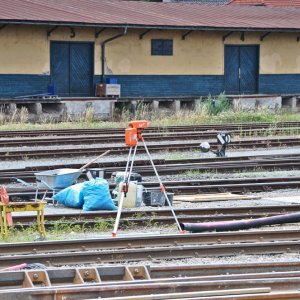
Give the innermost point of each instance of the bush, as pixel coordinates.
(215, 106)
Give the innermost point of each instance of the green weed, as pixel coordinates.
(191, 173)
(103, 225)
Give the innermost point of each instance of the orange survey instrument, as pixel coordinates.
(5, 200)
(142, 124)
(133, 135)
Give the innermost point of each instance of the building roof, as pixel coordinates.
(135, 14)
(292, 3)
(212, 2)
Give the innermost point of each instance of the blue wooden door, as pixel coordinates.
(241, 69)
(60, 73)
(232, 84)
(72, 68)
(248, 69)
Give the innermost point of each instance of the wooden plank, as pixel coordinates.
(212, 197)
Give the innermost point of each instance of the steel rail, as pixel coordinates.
(110, 165)
(169, 169)
(238, 126)
(140, 254)
(119, 138)
(139, 274)
(237, 185)
(117, 273)
(5, 177)
(254, 289)
(158, 271)
(118, 150)
(149, 241)
(285, 276)
(149, 247)
(205, 213)
(136, 221)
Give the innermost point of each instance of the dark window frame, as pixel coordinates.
(161, 47)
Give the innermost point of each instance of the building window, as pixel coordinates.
(161, 47)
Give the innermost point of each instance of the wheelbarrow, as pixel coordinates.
(53, 180)
(57, 179)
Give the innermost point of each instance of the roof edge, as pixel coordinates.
(143, 26)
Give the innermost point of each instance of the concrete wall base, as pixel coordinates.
(257, 102)
(291, 103)
(109, 108)
(60, 111)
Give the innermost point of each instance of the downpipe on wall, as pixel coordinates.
(103, 55)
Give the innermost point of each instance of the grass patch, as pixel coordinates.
(192, 173)
(64, 229)
(177, 156)
(60, 230)
(212, 110)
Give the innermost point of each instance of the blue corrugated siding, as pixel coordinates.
(12, 85)
(168, 85)
(154, 85)
(279, 84)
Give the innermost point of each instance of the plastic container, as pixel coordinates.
(111, 80)
(156, 198)
(134, 195)
(51, 89)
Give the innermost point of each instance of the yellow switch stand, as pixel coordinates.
(19, 207)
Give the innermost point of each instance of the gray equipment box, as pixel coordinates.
(156, 198)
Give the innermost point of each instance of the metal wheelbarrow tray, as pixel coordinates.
(57, 179)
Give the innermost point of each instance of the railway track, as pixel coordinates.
(118, 150)
(89, 280)
(185, 187)
(142, 166)
(226, 287)
(256, 282)
(162, 161)
(65, 132)
(220, 239)
(162, 215)
(119, 138)
(150, 247)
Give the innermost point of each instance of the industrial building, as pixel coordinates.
(150, 49)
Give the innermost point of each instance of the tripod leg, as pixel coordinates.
(162, 186)
(125, 181)
(127, 164)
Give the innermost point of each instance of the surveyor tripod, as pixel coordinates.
(133, 135)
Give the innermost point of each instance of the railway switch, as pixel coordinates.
(223, 139)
